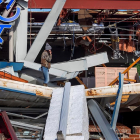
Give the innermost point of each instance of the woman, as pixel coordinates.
(46, 58)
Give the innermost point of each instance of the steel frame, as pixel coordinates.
(28, 126)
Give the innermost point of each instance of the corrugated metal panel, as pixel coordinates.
(105, 75)
(13, 99)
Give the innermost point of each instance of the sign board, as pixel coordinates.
(6, 20)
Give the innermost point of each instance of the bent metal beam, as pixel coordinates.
(45, 30)
(109, 91)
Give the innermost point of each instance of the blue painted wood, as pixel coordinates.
(16, 66)
(16, 90)
(118, 102)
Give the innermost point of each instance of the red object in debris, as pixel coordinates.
(127, 46)
(6, 127)
(122, 129)
(87, 4)
(5, 75)
(136, 129)
(62, 16)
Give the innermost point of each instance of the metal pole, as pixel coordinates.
(28, 117)
(118, 102)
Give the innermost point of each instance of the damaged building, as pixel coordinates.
(94, 75)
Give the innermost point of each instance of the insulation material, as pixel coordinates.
(74, 138)
(52, 123)
(105, 75)
(77, 123)
(9, 70)
(78, 113)
(16, 74)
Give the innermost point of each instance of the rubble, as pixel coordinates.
(94, 86)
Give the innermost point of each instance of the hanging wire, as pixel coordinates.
(64, 42)
(114, 50)
(90, 34)
(126, 57)
(73, 40)
(133, 43)
(128, 18)
(111, 26)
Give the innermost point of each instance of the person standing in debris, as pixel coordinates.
(46, 58)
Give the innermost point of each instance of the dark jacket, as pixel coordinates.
(46, 59)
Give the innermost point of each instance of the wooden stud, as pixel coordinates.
(114, 81)
(130, 80)
(78, 79)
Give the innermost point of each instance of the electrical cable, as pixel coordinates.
(30, 25)
(64, 42)
(73, 39)
(113, 50)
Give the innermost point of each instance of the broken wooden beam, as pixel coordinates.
(25, 88)
(129, 80)
(114, 81)
(81, 82)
